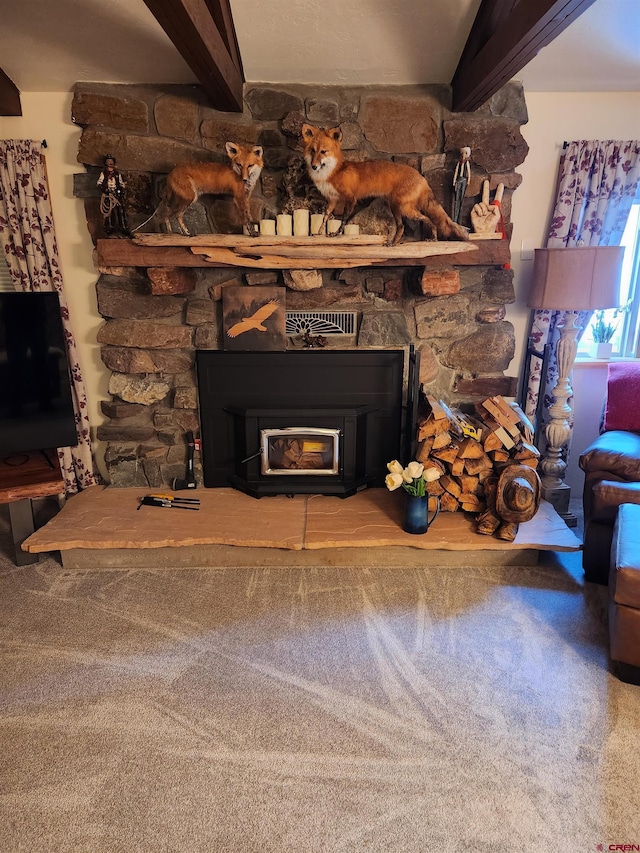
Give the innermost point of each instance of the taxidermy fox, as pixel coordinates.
(188, 181)
(407, 192)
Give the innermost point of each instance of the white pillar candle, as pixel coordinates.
(316, 223)
(351, 230)
(284, 225)
(301, 222)
(267, 227)
(333, 225)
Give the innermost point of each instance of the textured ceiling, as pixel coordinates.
(47, 46)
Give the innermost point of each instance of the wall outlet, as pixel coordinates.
(526, 250)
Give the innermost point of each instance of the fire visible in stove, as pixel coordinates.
(300, 450)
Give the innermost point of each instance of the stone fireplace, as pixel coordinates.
(163, 305)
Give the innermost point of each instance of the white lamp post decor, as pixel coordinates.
(570, 280)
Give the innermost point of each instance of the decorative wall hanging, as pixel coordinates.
(254, 318)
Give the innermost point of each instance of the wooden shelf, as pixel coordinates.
(230, 250)
(30, 475)
(24, 476)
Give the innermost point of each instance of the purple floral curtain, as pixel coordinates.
(598, 182)
(29, 243)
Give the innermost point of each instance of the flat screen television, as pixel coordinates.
(36, 408)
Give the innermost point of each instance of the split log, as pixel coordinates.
(447, 454)
(451, 485)
(448, 503)
(526, 451)
(470, 484)
(435, 421)
(471, 503)
(492, 442)
(440, 440)
(475, 466)
(470, 449)
(424, 450)
(457, 468)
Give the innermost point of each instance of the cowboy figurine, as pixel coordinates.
(461, 178)
(112, 207)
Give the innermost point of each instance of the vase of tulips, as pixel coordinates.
(413, 480)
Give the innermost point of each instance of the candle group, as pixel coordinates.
(301, 224)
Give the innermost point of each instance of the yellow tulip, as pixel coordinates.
(432, 474)
(393, 481)
(414, 470)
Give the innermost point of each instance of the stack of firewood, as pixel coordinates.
(472, 450)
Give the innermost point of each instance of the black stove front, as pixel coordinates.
(301, 422)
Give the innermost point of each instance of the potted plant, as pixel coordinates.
(602, 332)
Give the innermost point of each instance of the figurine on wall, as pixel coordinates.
(461, 178)
(486, 216)
(112, 208)
(345, 182)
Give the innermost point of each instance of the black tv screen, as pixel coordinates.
(36, 408)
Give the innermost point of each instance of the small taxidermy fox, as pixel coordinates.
(343, 181)
(188, 181)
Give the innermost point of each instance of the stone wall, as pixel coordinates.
(156, 318)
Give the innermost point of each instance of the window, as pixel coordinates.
(625, 340)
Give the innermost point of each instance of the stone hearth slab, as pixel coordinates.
(103, 517)
(108, 519)
(374, 517)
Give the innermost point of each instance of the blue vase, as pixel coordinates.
(416, 513)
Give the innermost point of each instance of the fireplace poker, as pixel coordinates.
(176, 498)
(149, 501)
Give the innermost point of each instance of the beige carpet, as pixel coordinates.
(312, 709)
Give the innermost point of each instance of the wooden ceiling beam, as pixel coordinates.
(505, 36)
(204, 35)
(9, 97)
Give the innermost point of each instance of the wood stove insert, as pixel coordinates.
(303, 422)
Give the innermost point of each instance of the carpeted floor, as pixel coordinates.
(316, 709)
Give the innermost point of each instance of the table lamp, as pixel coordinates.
(570, 280)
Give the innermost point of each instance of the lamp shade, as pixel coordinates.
(576, 279)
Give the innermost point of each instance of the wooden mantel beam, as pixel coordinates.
(203, 33)
(9, 97)
(506, 35)
(151, 250)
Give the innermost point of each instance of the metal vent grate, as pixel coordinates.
(321, 322)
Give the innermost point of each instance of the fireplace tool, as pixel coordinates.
(189, 481)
